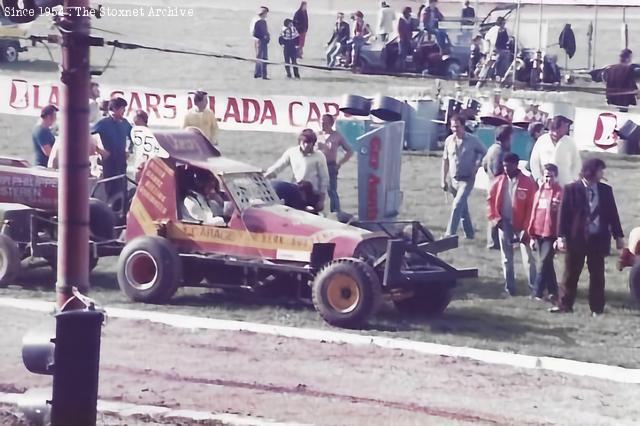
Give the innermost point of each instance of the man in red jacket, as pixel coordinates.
(543, 230)
(510, 203)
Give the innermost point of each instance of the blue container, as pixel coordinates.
(352, 130)
(422, 133)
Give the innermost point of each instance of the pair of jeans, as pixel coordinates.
(546, 276)
(334, 199)
(357, 43)
(442, 38)
(507, 242)
(332, 54)
(503, 63)
(493, 240)
(291, 57)
(262, 53)
(404, 49)
(460, 208)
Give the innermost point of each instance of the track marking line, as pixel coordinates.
(559, 365)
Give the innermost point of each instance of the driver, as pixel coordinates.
(203, 201)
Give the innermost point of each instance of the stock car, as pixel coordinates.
(345, 270)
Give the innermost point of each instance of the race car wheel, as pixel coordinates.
(346, 293)
(9, 260)
(102, 220)
(149, 270)
(634, 281)
(429, 300)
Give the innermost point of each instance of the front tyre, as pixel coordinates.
(346, 293)
(149, 270)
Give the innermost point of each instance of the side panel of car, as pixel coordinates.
(155, 200)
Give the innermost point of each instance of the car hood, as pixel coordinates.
(283, 220)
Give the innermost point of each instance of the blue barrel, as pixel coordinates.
(422, 132)
(352, 130)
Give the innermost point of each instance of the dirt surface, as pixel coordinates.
(319, 383)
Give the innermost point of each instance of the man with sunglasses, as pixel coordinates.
(556, 147)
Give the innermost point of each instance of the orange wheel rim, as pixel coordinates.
(343, 293)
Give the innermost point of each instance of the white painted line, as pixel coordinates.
(560, 365)
(123, 409)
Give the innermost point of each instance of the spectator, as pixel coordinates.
(334, 141)
(498, 38)
(42, 136)
(310, 171)
(261, 38)
(339, 40)
(493, 165)
(535, 130)
(202, 118)
(543, 230)
(468, 14)
(289, 39)
(430, 18)
(462, 156)
(114, 131)
(301, 22)
(550, 70)
(510, 203)
(476, 55)
(404, 38)
(556, 148)
(141, 118)
(94, 103)
(386, 20)
(361, 33)
(621, 82)
(588, 219)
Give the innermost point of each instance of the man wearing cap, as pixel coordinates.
(42, 136)
(556, 147)
(202, 117)
(621, 82)
(261, 38)
(114, 130)
(386, 19)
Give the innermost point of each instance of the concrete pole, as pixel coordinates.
(73, 190)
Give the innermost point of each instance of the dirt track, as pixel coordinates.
(318, 383)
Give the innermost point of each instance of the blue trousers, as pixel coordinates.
(263, 53)
(334, 199)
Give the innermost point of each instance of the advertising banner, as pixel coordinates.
(167, 108)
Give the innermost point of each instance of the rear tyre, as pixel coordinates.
(346, 293)
(429, 300)
(102, 220)
(149, 270)
(634, 281)
(9, 260)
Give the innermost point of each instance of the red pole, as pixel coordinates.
(73, 189)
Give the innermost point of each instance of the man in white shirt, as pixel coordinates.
(386, 21)
(204, 203)
(556, 147)
(309, 169)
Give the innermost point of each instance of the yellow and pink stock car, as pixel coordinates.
(346, 270)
